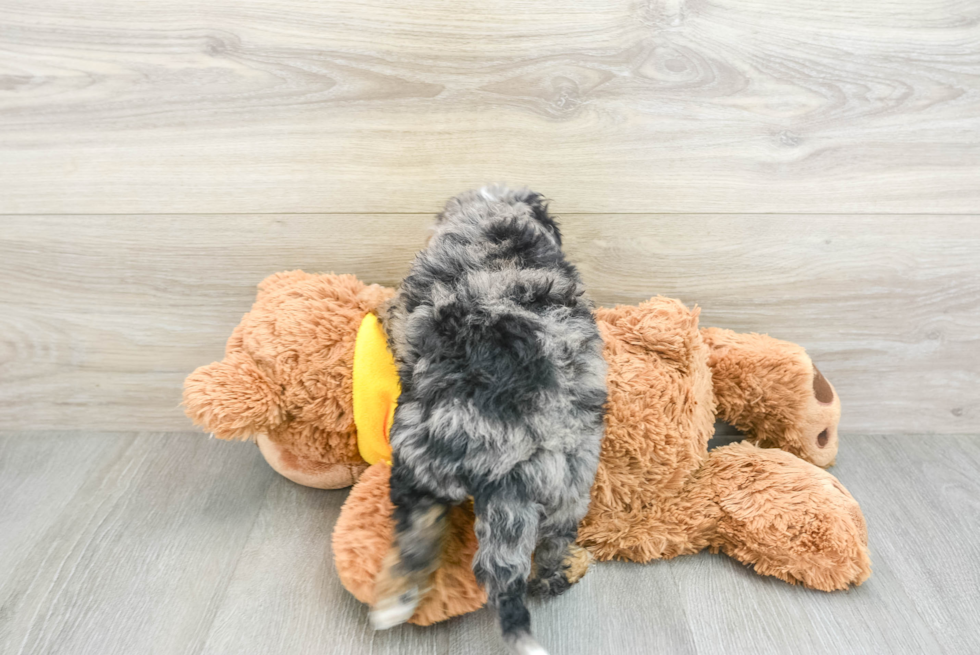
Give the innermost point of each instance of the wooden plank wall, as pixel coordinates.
(810, 170)
(104, 316)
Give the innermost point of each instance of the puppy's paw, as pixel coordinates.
(552, 584)
(572, 569)
(395, 610)
(397, 594)
(577, 563)
(524, 644)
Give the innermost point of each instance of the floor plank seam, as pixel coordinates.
(222, 597)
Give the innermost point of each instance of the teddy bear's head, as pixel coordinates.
(286, 379)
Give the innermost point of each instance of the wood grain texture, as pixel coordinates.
(101, 318)
(172, 543)
(888, 306)
(285, 596)
(925, 525)
(37, 481)
(368, 106)
(139, 558)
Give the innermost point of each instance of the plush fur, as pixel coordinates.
(658, 492)
(502, 394)
(452, 591)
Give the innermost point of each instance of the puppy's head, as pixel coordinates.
(495, 202)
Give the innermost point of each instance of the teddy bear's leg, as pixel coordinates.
(772, 391)
(364, 535)
(784, 516)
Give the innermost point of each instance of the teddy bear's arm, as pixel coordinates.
(771, 390)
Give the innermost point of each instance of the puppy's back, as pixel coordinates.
(503, 384)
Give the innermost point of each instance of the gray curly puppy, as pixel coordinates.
(503, 388)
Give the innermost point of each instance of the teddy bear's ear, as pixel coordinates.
(232, 398)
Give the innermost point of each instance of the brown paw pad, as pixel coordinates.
(576, 563)
(821, 388)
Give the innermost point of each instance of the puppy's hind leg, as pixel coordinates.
(404, 579)
(558, 561)
(507, 529)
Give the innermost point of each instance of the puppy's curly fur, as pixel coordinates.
(503, 388)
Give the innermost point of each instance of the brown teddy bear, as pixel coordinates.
(288, 382)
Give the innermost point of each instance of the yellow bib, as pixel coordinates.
(376, 391)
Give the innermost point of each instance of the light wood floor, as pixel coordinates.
(172, 543)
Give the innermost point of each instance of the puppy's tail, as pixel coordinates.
(507, 530)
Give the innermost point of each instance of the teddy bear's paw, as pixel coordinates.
(547, 582)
